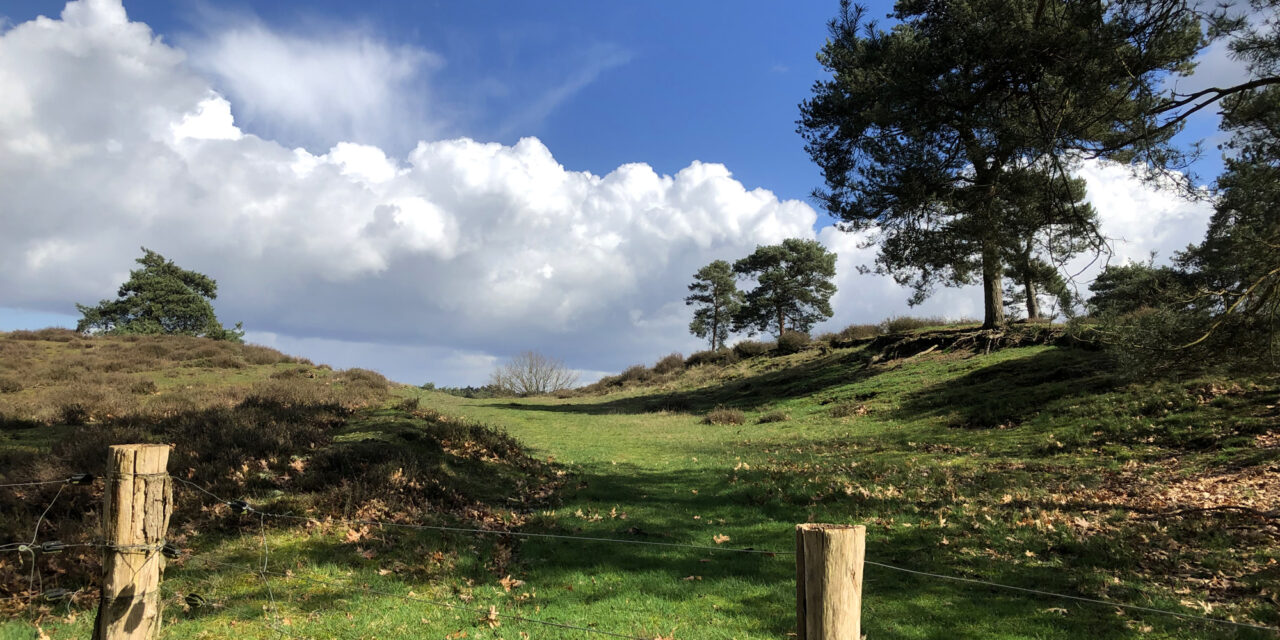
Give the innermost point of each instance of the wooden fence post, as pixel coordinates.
(829, 581)
(135, 516)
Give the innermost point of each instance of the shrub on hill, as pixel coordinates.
(792, 341)
(669, 363)
(903, 324)
(10, 384)
(91, 380)
(859, 332)
(773, 416)
(261, 432)
(752, 348)
(718, 357)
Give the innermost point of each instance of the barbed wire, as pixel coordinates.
(417, 598)
(31, 484)
(1050, 594)
(246, 507)
(31, 547)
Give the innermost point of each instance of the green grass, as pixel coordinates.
(1032, 467)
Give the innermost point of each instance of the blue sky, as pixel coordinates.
(328, 163)
(664, 83)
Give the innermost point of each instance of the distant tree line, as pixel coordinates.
(792, 292)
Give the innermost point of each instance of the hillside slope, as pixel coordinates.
(246, 422)
(1031, 466)
(1015, 459)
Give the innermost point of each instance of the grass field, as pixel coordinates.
(1031, 466)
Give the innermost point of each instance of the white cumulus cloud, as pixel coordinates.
(459, 244)
(342, 85)
(435, 263)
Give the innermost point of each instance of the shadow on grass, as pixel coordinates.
(748, 393)
(1007, 393)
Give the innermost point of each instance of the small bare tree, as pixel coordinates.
(531, 373)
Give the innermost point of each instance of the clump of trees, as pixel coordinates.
(952, 139)
(531, 373)
(792, 292)
(1219, 300)
(952, 136)
(159, 298)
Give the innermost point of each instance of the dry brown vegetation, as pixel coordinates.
(244, 421)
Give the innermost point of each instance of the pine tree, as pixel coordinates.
(715, 289)
(793, 286)
(921, 127)
(160, 297)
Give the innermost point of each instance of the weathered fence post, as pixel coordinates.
(829, 581)
(136, 506)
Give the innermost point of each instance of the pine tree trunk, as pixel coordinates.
(1033, 304)
(782, 327)
(715, 326)
(992, 287)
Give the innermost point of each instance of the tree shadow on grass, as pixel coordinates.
(748, 393)
(1008, 393)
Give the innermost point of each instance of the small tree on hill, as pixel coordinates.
(161, 297)
(531, 373)
(793, 286)
(716, 291)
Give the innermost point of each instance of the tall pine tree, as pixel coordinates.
(715, 290)
(920, 127)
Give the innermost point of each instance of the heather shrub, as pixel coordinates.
(64, 373)
(903, 324)
(153, 349)
(669, 363)
(636, 373)
(858, 332)
(718, 357)
(362, 378)
(773, 416)
(848, 409)
(792, 341)
(291, 373)
(752, 348)
(722, 415)
(51, 334)
(255, 354)
(225, 361)
(143, 386)
(10, 384)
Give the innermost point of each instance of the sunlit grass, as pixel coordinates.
(996, 467)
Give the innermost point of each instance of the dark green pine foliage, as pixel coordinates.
(160, 297)
(1051, 224)
(1237, 266)
(920, 127)
(1140, 287)
(793, 286)
(715, 290)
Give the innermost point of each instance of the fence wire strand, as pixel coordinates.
(32, 484)
(417, 598)
(515, 534)
(1189, 616)
(264, 572)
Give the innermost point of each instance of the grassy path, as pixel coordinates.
(677, 479)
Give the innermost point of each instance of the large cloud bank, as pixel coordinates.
(431, 264)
